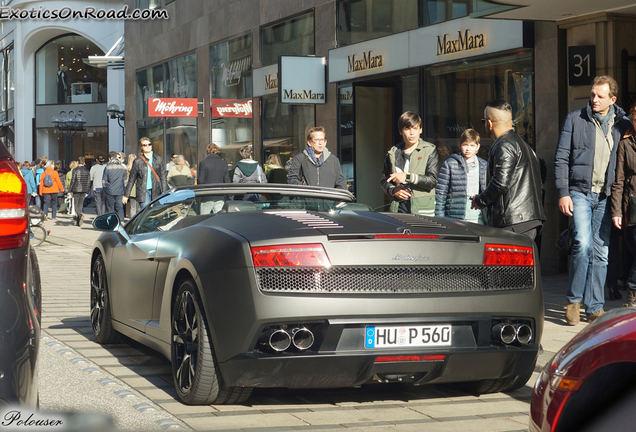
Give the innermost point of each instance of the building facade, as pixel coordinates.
(379, 58)
(44, 76)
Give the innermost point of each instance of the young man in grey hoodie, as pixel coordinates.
(316, 166)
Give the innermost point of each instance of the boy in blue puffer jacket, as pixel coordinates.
(461, 177)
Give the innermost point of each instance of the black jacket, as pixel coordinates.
(305, 171)
(213, 169)
(513, 193)
(80, 180)
(139, 176)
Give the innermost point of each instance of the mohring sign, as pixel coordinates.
(231, 108)
(172, 107)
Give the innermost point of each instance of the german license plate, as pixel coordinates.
(407, 336)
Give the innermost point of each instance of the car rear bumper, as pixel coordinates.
(330, 370)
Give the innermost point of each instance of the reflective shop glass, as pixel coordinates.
(437, 11)
(88, 143)
(176, 78)
(231, 91)
(455, 95)
(147, 4)
(149, 85)
(61, 77)
(285, 129)
(361, 20)
(10, 75)
(292, 37)
(152, 129)
(3, 81)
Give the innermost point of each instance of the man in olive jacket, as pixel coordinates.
(513, 191)
(150, 182)
(410, 170)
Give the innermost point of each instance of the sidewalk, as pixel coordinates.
(555, 335)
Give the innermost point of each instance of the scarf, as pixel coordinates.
(318, 160)
(603, 120)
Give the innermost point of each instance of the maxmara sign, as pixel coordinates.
(450, 40)
(296, 80)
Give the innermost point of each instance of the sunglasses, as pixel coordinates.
(146, 145)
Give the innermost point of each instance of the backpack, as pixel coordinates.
(48, 181)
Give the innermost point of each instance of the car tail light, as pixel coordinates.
(410, 358)
(407, 236)
(13, 207)
(298, 255)
(508, 255)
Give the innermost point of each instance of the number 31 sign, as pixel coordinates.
(581, 65)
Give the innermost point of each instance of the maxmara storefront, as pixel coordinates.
(263, 77)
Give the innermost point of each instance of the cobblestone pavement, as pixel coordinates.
(133, 384)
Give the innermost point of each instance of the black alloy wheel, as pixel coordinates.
(195, 371)
(101, 320)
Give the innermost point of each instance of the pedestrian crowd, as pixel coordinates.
(595, 176)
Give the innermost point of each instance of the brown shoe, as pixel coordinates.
(596, 315)
(572, 313)
(631, 299)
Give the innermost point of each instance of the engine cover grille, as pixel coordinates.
(412, 279)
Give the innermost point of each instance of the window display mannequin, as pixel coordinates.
(62, 84)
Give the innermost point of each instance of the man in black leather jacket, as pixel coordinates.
(513, 193)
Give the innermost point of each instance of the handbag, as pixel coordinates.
(565, 240)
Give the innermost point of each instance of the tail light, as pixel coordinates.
(508, 255)
(13, 207)
(298, 255)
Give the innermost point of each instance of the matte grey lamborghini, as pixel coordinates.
(263, 285)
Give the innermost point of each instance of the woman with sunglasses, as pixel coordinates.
(148, 174)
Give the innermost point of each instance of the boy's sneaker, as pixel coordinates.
(572, 313)
(596, 315)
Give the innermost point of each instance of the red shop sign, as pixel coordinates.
(175, 107)
(231, 108)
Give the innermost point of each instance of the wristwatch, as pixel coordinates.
(409, 177)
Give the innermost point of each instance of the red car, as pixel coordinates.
(590, 378)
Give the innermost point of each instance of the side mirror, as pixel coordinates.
(110, 222)
(107, 222)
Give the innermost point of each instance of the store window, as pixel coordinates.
(3, 81)
(291, 37)
(361, 20)
(147, 4)
(61, 76)
(284, 126)
(10, 73)
(436, 11)
(176, 78)
(455, 95)
(89, 143)
(231, 95)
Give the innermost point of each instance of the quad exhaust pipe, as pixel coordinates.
(509, 333)
(280, 340)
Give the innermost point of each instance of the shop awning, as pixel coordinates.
(113, 59)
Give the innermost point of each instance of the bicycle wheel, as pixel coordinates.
(37, 235)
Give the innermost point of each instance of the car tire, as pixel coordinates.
(195, 371)
(36, 285)
(101, 318)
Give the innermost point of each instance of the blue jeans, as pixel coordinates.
(142, 205)
(591, 220)
(50, 199)
(114, 205)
